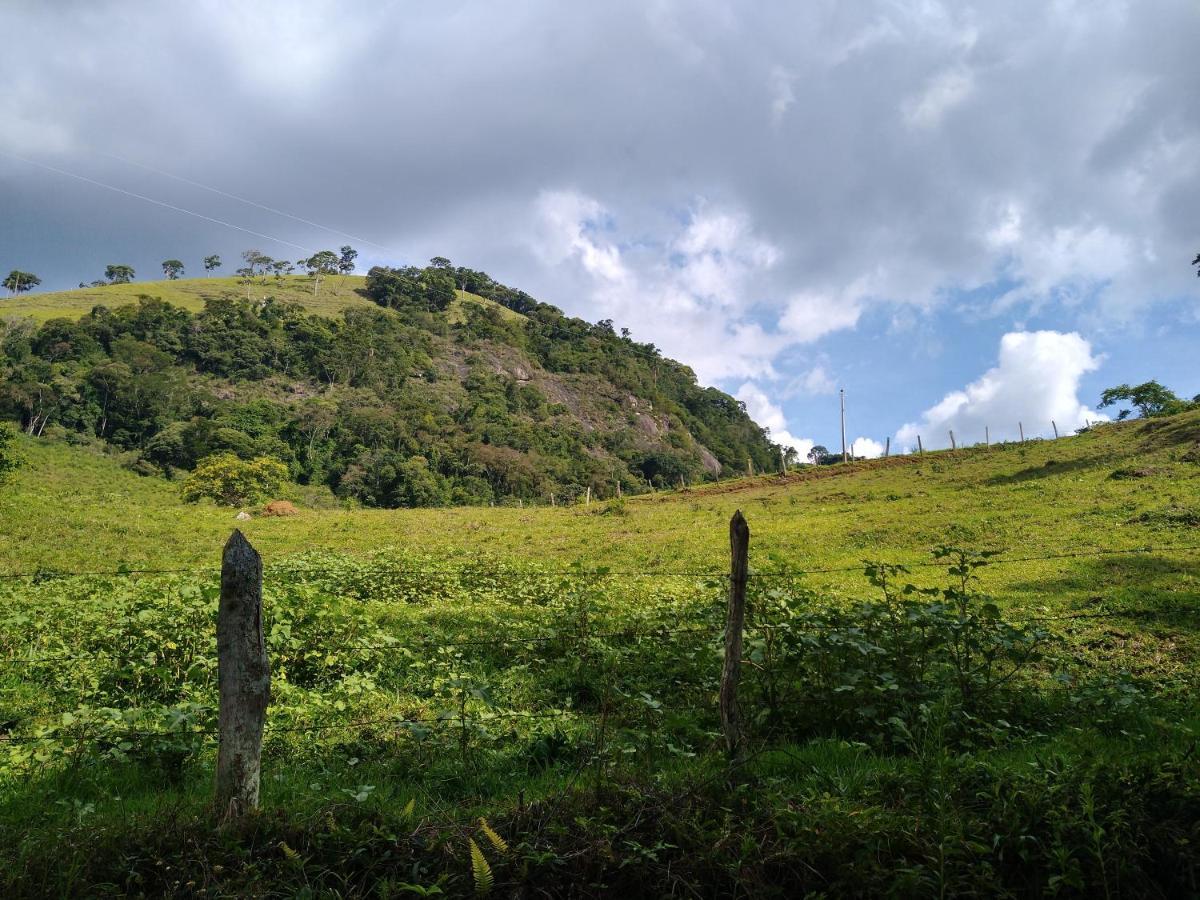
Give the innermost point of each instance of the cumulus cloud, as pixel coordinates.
(688, 296)
(767, 414)
(866, 448)
(1034, 383)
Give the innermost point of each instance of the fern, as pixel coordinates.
(480, 869)
(494, 839)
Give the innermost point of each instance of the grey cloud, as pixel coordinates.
(432, 129)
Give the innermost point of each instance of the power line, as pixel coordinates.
(255, 204)
(162, 203)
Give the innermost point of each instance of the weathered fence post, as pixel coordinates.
(1021, 428)
(739, 548)
(243, 677)
(987, 436)
(920, 449)
(887, 447)
(953, 445)
(1054, 425)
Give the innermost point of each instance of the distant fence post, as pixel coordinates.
(920, 449)
(1054, 425)
(1021, 428)
(243, 677)
(739, 549)
(887, 447)
(987, 436)
(953, 445)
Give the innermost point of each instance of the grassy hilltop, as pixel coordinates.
(553, 671)
(335, 295)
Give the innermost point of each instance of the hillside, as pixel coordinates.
(412, 387)
(548, 676)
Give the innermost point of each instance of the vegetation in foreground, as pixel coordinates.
(1009, 724)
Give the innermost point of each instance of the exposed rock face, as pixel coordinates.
(243, 516)
(711, 464)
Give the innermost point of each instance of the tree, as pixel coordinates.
(233, 481)
(1150, 398)
(1196, 262)
(281, 267)
(817, 454)
(18, 282)
(324, 262)
(256, 261)
(211, 263)
(118, 274)
(346, 263)
(440, 262)
(10, 459)
(172, 268)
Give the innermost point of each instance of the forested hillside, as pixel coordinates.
(449, 388)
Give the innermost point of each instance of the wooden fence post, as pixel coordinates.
(1021, 428)
(953, 446)
(920, 449)
(739, 549)
(243, 677)
(1054, 425)
(887, 447)
(987, 436)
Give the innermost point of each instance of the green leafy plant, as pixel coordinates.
(234, 482)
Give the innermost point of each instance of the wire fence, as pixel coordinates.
(605, 573)
(707, 626)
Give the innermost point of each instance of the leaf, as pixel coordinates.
(480, 869)
(494, 839)
(407, 813)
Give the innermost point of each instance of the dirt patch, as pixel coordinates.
(280, 508)
(1138, 472)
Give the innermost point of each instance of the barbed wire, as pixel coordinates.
(467, 572)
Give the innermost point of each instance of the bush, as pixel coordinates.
(232, 481)
(10, 459)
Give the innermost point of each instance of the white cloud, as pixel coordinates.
(865, 447)
(817, 381)
(690, 297)
(783, 94)
(810, 315)
(943, 93)
(769, 415)
(1035, 383)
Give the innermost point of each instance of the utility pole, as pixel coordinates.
(842, 391)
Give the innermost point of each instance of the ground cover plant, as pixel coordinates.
(953, 685)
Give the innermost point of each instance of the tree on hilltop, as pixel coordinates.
(323, 262)
(211, 263)
(346, 263)
(118, 273)
(172, 268)
(19, 282)
(1151, 399)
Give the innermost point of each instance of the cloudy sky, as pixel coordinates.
(964, 214)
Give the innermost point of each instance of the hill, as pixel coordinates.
(542, 682)
(411, 387)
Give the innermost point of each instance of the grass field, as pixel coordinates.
(335, 295)
(554, 670)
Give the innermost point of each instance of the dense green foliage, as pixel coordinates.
(10, 457)
(389, 407)
(232, 481)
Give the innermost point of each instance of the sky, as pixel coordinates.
(964, 215)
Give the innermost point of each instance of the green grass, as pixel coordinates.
(1093, 788)
(335, 295)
